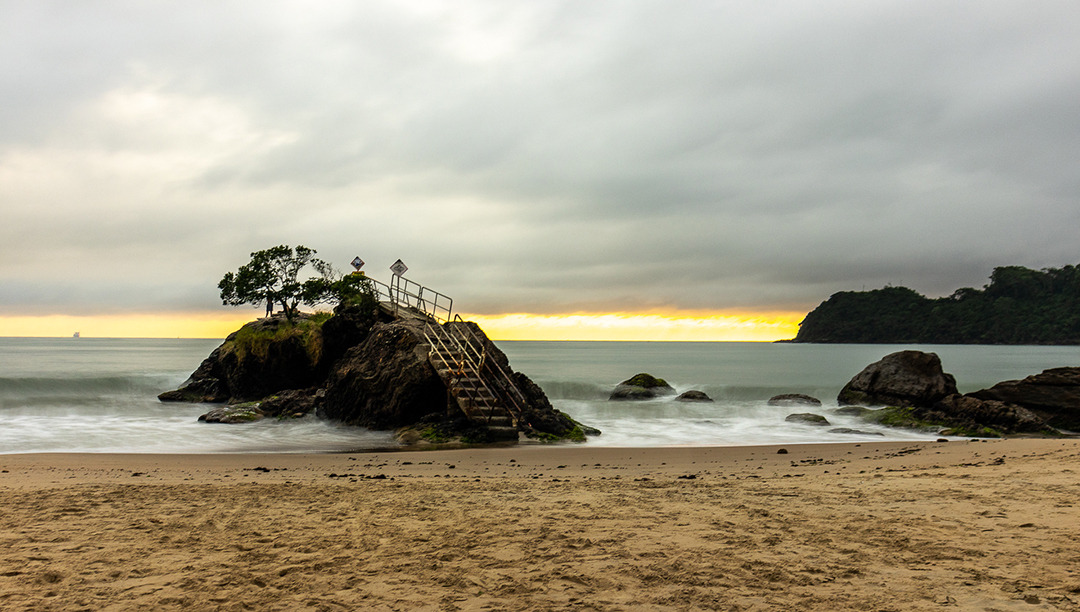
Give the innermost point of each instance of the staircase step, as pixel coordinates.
(503, 433)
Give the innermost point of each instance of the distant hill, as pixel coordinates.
(1019, 306)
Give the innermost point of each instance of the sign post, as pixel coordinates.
(398, 268)
(357, 263)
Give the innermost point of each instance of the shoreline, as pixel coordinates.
(987, 524)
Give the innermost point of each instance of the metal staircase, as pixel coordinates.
(466, 374)
(481, 387)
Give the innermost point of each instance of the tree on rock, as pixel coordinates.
(271, 277)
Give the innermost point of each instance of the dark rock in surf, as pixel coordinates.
(1053, 395)
(905, 378)
(693, 396)
(793, 399)
(641, 387)
(807, 418)
(207, 384)
(974, 416)
(239, 413)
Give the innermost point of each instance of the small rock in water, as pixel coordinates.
(641, 387)
(793, 399)
(807, 418)
(693, 396)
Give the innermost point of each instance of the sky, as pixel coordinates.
(563, 170)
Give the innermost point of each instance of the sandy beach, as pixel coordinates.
(968, 525)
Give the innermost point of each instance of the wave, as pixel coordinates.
(85, 386)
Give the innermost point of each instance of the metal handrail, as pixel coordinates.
(434, 336)
(414, 296)
(494, 366)
(428, 301)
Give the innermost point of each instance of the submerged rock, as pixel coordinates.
(905, 378)
(641, 387)
(693, 396)
(239, 413)
(807, 419)
(793, 399)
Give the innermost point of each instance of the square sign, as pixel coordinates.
(399, 268)
(357, 262)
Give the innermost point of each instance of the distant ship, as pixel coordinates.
(75, 335)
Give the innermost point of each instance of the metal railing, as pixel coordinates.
(404, 293)
(506, 389)
(443, 343)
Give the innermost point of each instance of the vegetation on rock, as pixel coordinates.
(272, 277)
(1018, 306)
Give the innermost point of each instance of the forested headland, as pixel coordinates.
(1018, 306)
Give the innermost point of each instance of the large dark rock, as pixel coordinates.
(348, 327)
(973, 415)
(641, 387)
(539, 417)
(386, 381)
(1053, 395)
(261, 358)
(693, 396)
(905, 378)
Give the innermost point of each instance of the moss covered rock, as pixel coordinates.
(641, 387)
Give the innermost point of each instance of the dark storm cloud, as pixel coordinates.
(538, 157)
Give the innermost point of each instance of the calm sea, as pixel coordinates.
(99, 395)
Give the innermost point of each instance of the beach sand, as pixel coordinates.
(966, 525)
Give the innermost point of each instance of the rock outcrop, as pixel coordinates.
(360, 367)
(261, 358)
(917, 394)
(641, 387)
(1053, 395)
(984, 417)
(905, 378)
(693, 396)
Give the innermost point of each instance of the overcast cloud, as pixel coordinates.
(536, 157)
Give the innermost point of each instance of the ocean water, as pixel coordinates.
(99, 395)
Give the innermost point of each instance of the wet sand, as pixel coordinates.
(960, 525)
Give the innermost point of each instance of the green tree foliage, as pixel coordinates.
(1019, 306)
(272, 277)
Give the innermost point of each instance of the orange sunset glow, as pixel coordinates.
(690, 327)
(680, 327)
